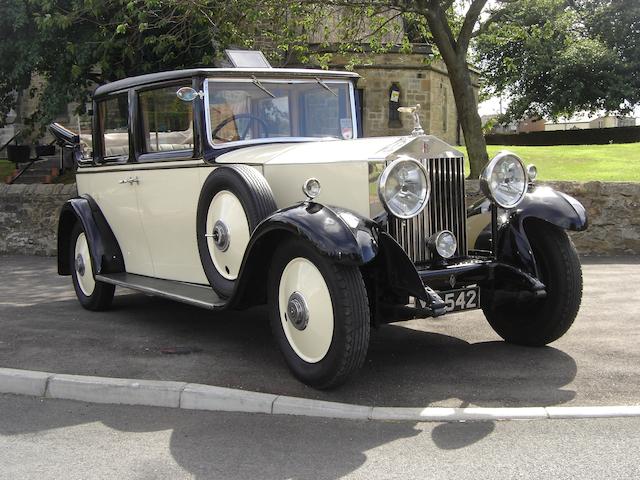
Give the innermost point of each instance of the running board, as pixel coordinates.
(197, 295)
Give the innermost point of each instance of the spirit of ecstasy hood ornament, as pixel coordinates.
(417, 128)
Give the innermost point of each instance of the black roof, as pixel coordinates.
(150, 78)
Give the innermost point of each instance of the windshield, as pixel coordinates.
(269, 109)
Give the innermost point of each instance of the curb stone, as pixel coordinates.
(193, 396)
(116, 390)
(205, 397)
(23, 382)
(320, 408)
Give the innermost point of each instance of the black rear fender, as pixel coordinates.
(105, 251)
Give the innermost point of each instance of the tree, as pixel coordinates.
(439, 22)
(74, 44)
(556, 57)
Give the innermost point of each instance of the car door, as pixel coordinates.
(111, 183)
(169, 183)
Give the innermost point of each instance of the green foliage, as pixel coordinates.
(556, 57)
(75, 44)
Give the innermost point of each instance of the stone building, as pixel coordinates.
(417, 79)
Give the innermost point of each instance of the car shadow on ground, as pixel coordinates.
(227, 445)
(404, 367)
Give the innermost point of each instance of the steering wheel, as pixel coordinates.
(241, 136)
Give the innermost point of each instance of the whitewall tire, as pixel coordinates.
(92, 294)
(319, 313)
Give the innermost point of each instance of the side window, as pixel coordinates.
(114, 119)
(167, 122)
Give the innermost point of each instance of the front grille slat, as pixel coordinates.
(445, 211)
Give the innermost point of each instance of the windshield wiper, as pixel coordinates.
(325, 86)
(257, 83)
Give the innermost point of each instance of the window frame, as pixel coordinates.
(265, 82)
(167, 156)
(99, 142)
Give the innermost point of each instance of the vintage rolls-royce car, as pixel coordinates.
(227, 188)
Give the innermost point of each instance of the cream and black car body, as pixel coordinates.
(228, 188)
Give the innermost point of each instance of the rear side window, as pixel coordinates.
(114, 120)
(167, 121)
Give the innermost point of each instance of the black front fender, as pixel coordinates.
(555, 207)
(105, 251)
(341, 235)
(512, 245)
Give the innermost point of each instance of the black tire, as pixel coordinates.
(256, 198)
(102, 295)
(539, 322)
(351, 326)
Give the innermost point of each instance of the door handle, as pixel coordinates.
(129, 180)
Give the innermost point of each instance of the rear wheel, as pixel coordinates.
(539, 322)
(319, 315)
(92, 294)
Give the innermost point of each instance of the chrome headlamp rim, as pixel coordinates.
(485, 177)
(385, 176)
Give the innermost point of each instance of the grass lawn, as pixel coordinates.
(6, 169)
(619, 162)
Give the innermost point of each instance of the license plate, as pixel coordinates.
(463, 299)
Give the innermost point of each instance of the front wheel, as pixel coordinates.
(539, 322)
(319, 315)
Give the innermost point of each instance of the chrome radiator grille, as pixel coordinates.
(445, 211)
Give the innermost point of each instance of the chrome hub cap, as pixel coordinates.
(297, 311)
(220, 236)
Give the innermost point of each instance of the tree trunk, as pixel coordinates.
(454, 54)
(467, 107)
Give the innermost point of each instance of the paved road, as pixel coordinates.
(457, 361)
(53, 439)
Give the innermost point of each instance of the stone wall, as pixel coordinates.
(29, 216)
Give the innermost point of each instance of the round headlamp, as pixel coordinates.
(444, 243)
(404, 188)
(504, 180)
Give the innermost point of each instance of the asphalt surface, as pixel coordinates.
(457, 361)
(53, 439)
